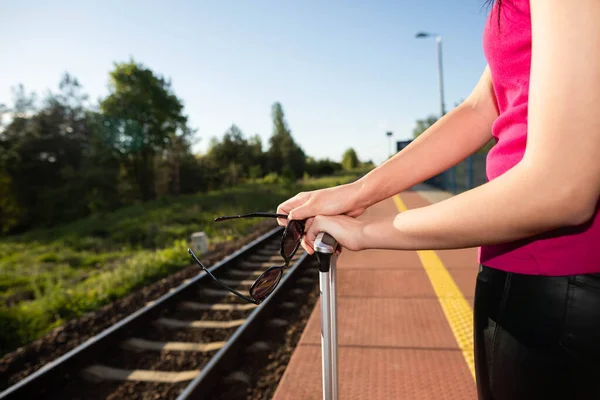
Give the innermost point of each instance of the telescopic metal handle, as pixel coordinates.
(325, 248)
(325, 243)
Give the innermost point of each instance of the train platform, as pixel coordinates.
(404, 322)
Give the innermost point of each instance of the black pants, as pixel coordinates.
(537, 337)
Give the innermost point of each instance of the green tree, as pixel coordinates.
(258, 157)
(233, 148)
(235, 156)
(423, 124)
(11, 213)
(149, 120)
(350, 159)
(101, 166)
(321, 167)
(45, 153)
(284, 154)
(369, 164)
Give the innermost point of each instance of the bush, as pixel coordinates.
(54, 275)
(322, 167)
(287, 176)
(20, 325)
(255, 172)
(272, 178)
(350, 160)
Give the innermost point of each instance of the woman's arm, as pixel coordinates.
(446, 143)
(558, 181)
(450, 140)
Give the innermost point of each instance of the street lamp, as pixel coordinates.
(438, 39)
(389, 135)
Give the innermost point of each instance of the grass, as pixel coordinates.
(52, 275)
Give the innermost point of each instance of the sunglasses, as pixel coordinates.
(268, 280)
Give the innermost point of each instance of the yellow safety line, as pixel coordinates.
(456, 308)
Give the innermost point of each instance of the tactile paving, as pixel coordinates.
(380, 374)
(378, 259)
(385, 323)
(465, 279)
(459, 259)
(400, 283)
(412, 199)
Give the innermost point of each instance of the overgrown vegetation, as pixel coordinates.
(48, 276)
(98, 199)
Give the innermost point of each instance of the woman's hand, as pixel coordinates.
(331, 201)
(346, 230)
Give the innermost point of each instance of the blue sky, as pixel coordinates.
(344, 71)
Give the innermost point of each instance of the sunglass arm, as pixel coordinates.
(231, 289)
(219, 282)
(251, 215)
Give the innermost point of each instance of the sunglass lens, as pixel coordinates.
(266, 283)
(291, 239)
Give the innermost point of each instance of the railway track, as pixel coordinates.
(186, 344)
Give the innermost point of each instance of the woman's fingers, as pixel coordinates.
(356, 212)
(310, 235)
(308, 247)
(331, 201)
(287, 206)
(323, 224)
(346, 230)
(308, 224)
(305, 210)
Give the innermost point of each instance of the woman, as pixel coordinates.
(537, 299)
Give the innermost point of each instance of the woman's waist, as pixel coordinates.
(562, 251)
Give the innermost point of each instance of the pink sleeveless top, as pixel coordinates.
(565, 251)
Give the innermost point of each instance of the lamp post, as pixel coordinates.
(389, 135)
(438, 39)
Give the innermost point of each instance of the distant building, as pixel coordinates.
(402, 144)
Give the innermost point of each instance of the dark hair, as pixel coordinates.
(490, 3)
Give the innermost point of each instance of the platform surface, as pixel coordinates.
(404, 322)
